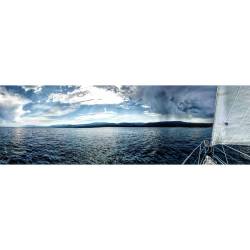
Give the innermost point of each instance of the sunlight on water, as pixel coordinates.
(98, 145)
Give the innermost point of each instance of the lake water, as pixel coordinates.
(100, 145)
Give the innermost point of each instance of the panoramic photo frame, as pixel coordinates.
(127, 124)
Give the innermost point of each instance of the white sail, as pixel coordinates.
(232, 116)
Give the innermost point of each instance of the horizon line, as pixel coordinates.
(107, 124)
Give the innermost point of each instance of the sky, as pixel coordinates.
(77, 104)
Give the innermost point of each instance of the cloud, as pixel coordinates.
(48, 110)
(34, 88)
(11, 106)
(80, 104)
(45, 115)
(167, 102)
(178, 101)
(87, 96)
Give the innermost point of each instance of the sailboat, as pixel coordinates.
(231, 129)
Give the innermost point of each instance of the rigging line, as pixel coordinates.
(204, 146)
(199, 155)
(224, 153)
(219, 159)
(204, 156)
(238, 151)
(196, 160)
(203, 159)
(191, 154)
(234, 159)
(220, 150)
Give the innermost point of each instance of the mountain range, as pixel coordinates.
(132, 124)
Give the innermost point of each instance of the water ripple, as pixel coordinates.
(99, 145)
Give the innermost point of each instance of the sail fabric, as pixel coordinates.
(232, 116)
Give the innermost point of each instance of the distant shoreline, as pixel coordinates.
(167, 124)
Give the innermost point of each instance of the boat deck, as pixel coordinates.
(208, 161)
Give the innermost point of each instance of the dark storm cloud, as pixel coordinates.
(197, 101)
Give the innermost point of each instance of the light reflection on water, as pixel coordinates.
(98, 145)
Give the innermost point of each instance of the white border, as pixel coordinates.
(124, 42)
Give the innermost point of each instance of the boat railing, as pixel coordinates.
(202, 146)
(223, 158)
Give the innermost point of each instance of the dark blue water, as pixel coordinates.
(100, 145)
